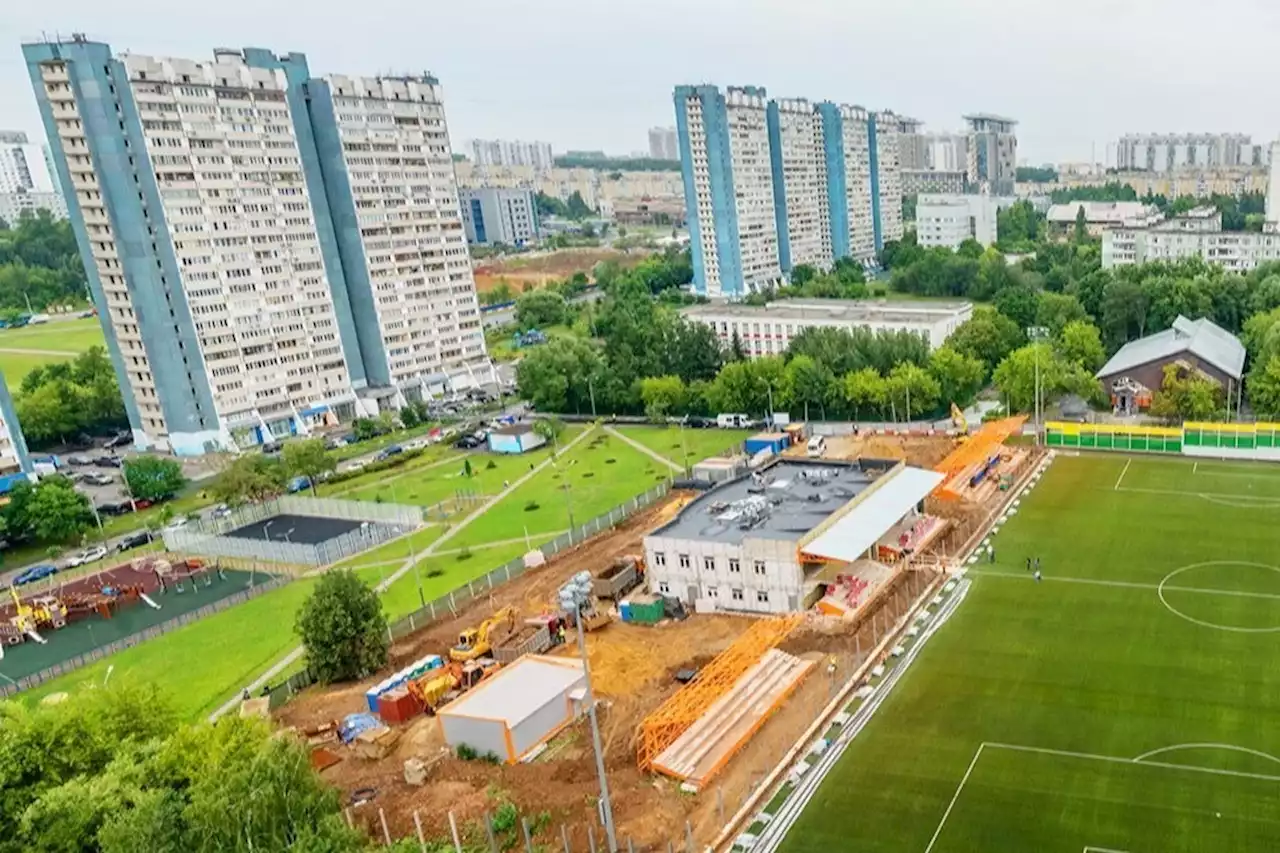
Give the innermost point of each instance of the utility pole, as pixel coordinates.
(591, 389)
(606, 804)
(1036, 334)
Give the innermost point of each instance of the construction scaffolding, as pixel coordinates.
(974, 453)
(674, 717)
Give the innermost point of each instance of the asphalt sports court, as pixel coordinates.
(82, 636)
(303, 529)
(1127, 703)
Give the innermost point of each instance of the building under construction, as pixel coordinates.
(769, 540)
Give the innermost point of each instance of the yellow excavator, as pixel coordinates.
(960, 422)
(477, 642)
(432, 688)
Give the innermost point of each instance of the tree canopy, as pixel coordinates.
(342, 628)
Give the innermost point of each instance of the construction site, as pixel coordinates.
(697, 700)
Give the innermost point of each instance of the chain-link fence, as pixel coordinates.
(447, 605)
(72, 664)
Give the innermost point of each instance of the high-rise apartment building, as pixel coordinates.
(664, 144)
(832, 183)
(728, 174)
(992, 156)
(799, 184)
(1169, 152)
(503, 152)
(847, 133)
(886, 179)
(267, 251)
(26, 182)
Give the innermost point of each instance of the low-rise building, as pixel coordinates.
(13, 205)
(1133, 375)
(1098, 215)
(768, 329)
(766, 541)
(1196, 233)
(949, 220)
(516, 438)
(506, 216)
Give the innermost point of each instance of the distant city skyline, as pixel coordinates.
(1074, 87)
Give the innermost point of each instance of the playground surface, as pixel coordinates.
(92, 631)
(304, 529)
(1119, 704)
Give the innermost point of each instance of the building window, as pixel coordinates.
(735, 565)
(712, 592)
(659, 558)
(759, 567)
(737, 594)
(762, 596)
(664, 587)
(709, 563)
(684, 561)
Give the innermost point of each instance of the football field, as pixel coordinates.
(1127, 703)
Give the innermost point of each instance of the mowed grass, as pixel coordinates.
(1123, 703)
(592, 478)
(686, 447)
(53, 341)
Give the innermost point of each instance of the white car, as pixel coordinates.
(180, 521)
(86, 556)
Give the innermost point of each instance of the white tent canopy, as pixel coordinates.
(862, 526)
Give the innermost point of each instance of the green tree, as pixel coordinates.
(662, 396)
(802, 274)
(1124, 312)
(1056, 310)
(1184, 395)
(1080, 343)
(308, 458)
(1081, 231)
(498, 294)
(558, 376)
(342, 628)
(988, 336)
(809, 382)
(959, 376)
(911, 391)
(866, 391)
(1264, 387)
(1015, 377)
(1019, 303)
(250, 478)
(153, 478)
(550, 428)
(58, 512)
(539, 308)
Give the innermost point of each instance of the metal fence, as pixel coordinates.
(79, 661)
(447, 605)
(381, 523)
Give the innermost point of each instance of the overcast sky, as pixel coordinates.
(590, 74)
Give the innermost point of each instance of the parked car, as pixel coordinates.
(133, 540)
(95, 478)
(388, 452)
(114, 508)
(120, 440)
(298, 484)
(79, 461)
(35, 573)
(107, 462)
(86, 556)
(270, 447)
(177, 523)
(468, 442)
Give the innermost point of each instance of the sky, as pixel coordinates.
(593, 74)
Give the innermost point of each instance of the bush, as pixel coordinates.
(435, 573)
(342, 628)
(531, 506)
(491, 465)
(466, 753)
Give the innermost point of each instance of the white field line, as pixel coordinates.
(1130, 585)
(1103, 850)
(1195, 468)
(1124, 471)
(1227, 746)
(1206, 495)
(1083, 756)
(951, 805)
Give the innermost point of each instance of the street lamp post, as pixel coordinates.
(606, 804)
(1036, 334)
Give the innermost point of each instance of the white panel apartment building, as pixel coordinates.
(853, 212)
(950, 219)
(800, 184)
(888, 179)
(398, 164)
(26, 182)
(753, 185)
(215, 203)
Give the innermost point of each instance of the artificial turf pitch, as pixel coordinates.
(1128, 703)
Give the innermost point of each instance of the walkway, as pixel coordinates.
(645, 450)
(407, 566)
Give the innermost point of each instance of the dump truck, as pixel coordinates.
(528, 640)
(616, 580)
(477, 642)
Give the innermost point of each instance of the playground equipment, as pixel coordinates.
(477, 642)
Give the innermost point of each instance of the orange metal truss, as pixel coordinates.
(977, 449)
(670, 720)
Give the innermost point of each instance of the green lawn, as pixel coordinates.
(602, 471)
(454, 570)
(347, 487)
(397, 550)
(1121, 704)
(694, 445)
(56, 339)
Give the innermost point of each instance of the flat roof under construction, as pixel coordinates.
(784, 501)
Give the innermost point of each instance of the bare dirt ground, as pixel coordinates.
(538, 269)
(924, 451)
(632, 668)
